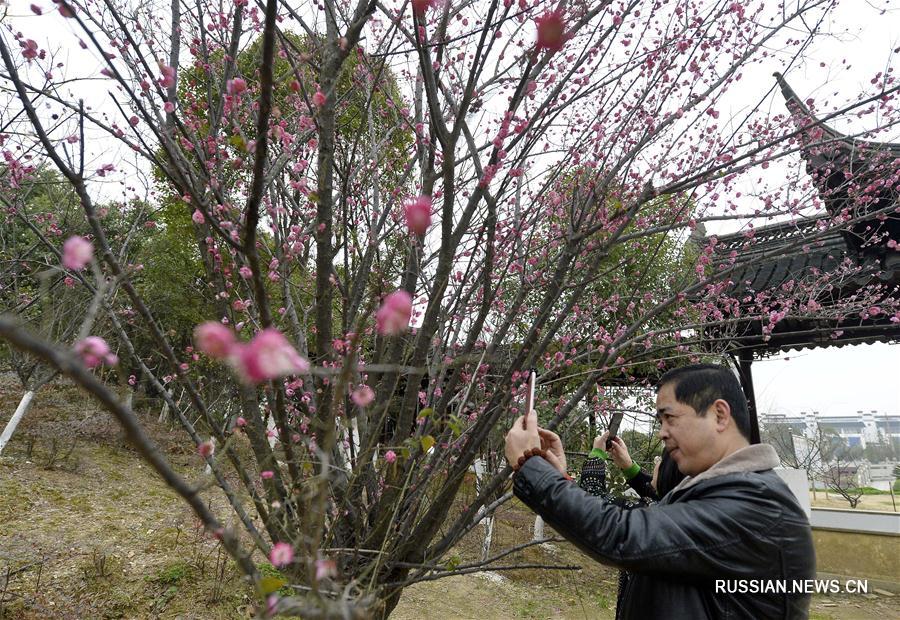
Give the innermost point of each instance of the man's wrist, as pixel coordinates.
(544, 454)
(632, 471)
(527, 455)
(599, 453)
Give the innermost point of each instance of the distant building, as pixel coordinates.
(881, 475)
(858, 430)
(794, 438)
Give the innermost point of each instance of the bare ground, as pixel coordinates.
(88, 531)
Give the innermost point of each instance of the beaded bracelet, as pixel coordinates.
(534, 452)
(527, 455)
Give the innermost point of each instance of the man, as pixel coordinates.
(732, 518)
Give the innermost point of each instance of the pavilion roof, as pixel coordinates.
(793, 263)
(797, 249)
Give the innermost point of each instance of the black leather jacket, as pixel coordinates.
(743, 525)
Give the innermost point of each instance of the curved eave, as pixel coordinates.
(798, 335)
(797, 107)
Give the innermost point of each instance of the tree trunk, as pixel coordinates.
(208, 469)
(538, 529)
(488, 523)
(390, 601)
(482, 475)
(24, 404)
(271, 431)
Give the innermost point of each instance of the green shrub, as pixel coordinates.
(871, 491)
(272, 578)
(172, 574)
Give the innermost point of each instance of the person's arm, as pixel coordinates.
(593, 474)
(634, 476)
(724, 533)
(641, 481)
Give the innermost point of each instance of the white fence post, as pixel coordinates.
(24, 404)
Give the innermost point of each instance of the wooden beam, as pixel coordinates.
(745, 361)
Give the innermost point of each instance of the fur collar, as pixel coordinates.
(755, 457)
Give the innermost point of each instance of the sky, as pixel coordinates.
(834, 381)
(860, 42)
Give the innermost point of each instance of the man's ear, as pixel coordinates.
(723, 414)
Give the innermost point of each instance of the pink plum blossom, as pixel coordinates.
(362, 396)
(236, 86)
(245, 272)
(65, 9)
(318, 99)
(390, 456)
(206, 448)
(168, 75)
(267, 474)
(214, 339)
(282, 554)
(77, 253)
(325, 568)
(393, 315)
(267, 356)
(169, 106)
(420, 6)
(241, 422)
(418, 214)
(29, 49)
(551, 32)
(94, 351)
(197, 216)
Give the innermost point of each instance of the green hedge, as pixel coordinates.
(871, 490)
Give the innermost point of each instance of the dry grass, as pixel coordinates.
(866, 502)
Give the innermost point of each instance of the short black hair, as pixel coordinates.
(700, 385)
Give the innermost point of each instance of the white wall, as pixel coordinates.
(798, 484)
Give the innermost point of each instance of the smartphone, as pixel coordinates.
(529, 395)
(614, 423)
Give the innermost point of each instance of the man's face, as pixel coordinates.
(692, 440)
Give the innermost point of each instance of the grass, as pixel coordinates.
(882, 502)
(173, 574)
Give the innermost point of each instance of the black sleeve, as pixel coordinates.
(725, 532)
(593, 476)
(640, 482)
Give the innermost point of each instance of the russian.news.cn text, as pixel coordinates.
(791, 586)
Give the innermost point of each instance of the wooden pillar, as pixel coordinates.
(745, 357)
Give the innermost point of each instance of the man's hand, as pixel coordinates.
(556, 455)
(522, 436)
(618, 451)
